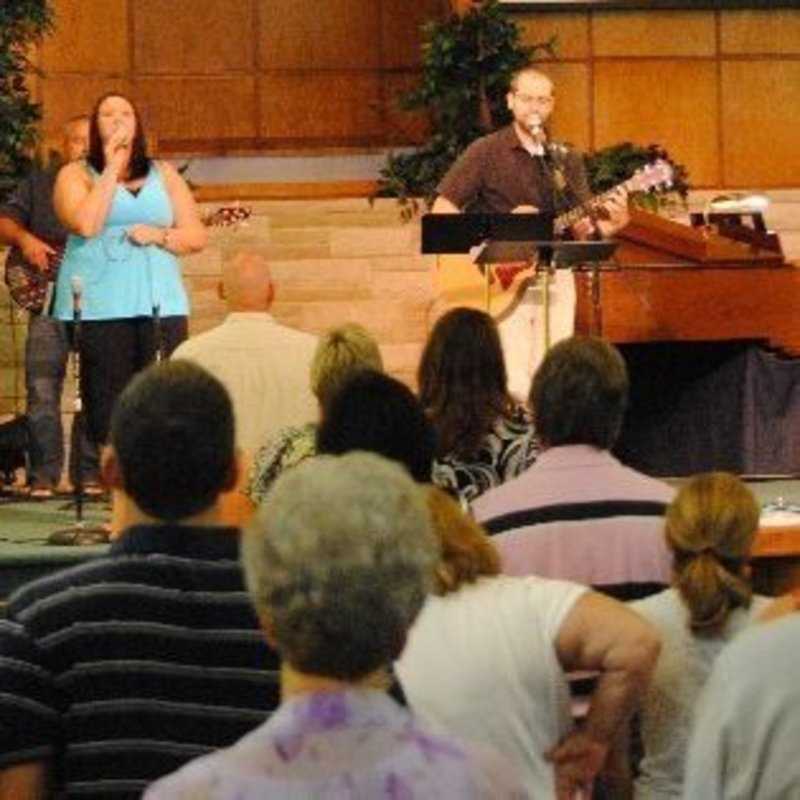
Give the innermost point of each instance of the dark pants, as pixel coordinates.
(112, 352)
(46, 355)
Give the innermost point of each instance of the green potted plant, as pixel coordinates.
(22, 24)
(467, 63)
(612, 165)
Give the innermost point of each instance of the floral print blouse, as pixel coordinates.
(343, 745)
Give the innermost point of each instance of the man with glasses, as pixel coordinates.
(520, 169)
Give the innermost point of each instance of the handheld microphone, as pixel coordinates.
(552, 158)
(536, 127)
(76, 282)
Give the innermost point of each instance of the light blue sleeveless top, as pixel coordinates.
(121, 279)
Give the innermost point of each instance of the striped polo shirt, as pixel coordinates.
(122, 669)
(578, 514)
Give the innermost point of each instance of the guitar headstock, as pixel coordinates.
(658, 174)
(227, 216)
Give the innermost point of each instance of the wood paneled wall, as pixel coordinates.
(241, 75)
(719, 89)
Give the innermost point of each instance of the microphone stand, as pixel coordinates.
(78, 534)
(158, 333)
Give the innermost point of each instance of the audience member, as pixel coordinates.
(744, 741)
(577, 513)
(29, 224)
(710, 529)
(263, 364)
(338, 563)
(118, 671)
(486, 659)
(340, 353)
(484, 436)
(377, 413)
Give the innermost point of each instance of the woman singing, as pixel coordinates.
(129, 217)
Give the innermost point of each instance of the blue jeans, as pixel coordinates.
(46, 354)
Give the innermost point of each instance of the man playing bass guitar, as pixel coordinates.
(28, 223)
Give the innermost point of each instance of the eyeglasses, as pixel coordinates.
(539, 100)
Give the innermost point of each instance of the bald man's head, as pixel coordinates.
(247, 283)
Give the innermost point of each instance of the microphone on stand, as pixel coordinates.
(76, 283)
(550, 165)
(536, 129)
(78, 534)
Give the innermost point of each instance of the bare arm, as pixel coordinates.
(617, 775)
(781, 606)
(81, 204)
(11, 232)
(187, 234)
(601, 634)
(441, 205)
(34, 249)
(24, 782)
(618, 215)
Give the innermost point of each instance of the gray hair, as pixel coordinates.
(340, 557)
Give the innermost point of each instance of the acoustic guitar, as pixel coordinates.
(461, 282)
(30, 287)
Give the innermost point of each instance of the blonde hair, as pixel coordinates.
(710, 527)
(342, 352)
(466, 550)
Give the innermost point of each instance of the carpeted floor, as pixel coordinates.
(26, 525)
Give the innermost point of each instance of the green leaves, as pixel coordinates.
(467, 63)
(612, 165)
(22, 24)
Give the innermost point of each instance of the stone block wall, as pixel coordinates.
(333, 261)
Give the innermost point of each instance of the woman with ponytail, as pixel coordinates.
(710, 527)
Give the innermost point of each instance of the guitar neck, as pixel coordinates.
(569, 218)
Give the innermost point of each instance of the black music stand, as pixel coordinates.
(506, 238)
(459, 233)
(79, 534)
(488, 238)
(591, 257)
